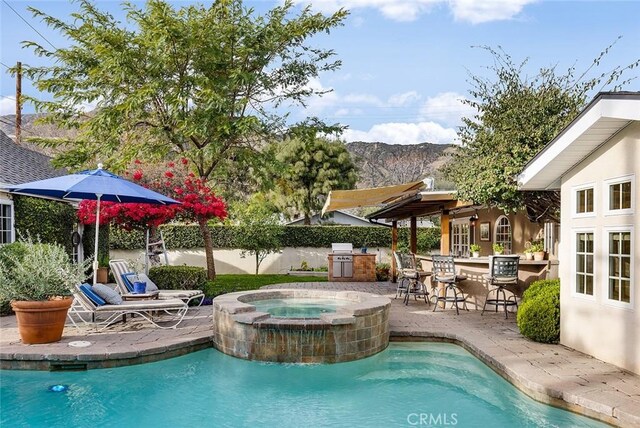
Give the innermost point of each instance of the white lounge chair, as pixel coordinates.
(121, 267)
(150, 310)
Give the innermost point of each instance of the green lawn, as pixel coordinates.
(228, 283)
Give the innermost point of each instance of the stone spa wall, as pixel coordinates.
(356, 330)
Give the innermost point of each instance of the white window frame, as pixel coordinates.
(617, 180)
(495, 234)
(461, 221)
(574, 267)
(574, 200)
(605, 261)
(4, 201)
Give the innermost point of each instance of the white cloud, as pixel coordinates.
(7, 105)
(400, 100)
(446, 108)
(404, 133)
(474, 11)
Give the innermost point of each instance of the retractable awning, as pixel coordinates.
(345, 199)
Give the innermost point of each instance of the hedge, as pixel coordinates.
(189, 236)
(539, 313)
(178, 277)
(51, 221)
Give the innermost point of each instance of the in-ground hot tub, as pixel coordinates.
(308, 326)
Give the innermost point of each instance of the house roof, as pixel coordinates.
(20, 165)
(606, 115)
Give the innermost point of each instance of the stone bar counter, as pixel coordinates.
(364, 268)
(476, 286)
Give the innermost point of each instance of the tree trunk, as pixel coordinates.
(257, 262)
(307, 219)
(208, 249)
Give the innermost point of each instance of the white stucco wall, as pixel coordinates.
(596, 325)
(231, 261)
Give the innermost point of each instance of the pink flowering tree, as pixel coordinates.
(198, 204)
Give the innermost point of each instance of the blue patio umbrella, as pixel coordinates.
(95, 184)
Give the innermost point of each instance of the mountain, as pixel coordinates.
(379, 164)
(382, 164)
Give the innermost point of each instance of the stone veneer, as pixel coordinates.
(356, 330)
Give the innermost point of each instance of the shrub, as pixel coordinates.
(382, 271)
(179, 277)
(539, 314)
(8, 253)
(51, 221)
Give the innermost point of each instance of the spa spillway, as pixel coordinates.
(301, 326)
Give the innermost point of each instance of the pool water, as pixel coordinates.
(409, 384)
(298, 307)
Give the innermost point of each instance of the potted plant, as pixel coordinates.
(498, 249)
(528, 254)
(38, 281)
(537, 249)
(475, 250)
(103, 269)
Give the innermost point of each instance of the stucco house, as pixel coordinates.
(595, 162)
(18, 165)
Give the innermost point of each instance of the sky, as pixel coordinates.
(406, 63)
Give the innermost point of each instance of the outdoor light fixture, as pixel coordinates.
(473, 219)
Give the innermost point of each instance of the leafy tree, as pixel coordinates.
(203, 82)
(310, 168)
(517, 116)
(260, 234)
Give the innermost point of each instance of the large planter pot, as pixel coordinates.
(538, 255)
(41, 321)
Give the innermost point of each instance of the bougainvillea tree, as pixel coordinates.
(198, 203)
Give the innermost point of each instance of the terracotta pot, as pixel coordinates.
(103, 275)
(539, 255)
(41, 322)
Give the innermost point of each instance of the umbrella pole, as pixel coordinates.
(95, 243)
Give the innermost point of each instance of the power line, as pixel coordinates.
(27, 22)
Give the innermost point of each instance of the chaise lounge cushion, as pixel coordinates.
(110, 295)
(97, 300)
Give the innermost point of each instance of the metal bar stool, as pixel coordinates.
(444, 271)
(503, 271)
(410, 281)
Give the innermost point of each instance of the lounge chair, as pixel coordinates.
(87, 303)
(120, 270)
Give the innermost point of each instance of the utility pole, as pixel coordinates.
(19, 102)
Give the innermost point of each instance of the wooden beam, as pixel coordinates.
(413, 238)
(445, 247)
(394, 247)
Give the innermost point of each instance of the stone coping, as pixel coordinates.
(552, 374)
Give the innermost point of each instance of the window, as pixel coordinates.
(584, 263)
(584, 201)
(460, 237)
(503, 233)
(6, 221)
(619, 193)
(620, 266)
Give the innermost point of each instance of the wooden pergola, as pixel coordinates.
(408, 201)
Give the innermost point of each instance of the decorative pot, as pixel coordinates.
(363, 250)
(41, 321)
(139, 287)
(538, 255)
(528, 256)
(103, 275)
(475, 254)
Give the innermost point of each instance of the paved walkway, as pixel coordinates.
(549, 373)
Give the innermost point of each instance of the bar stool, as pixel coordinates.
(411, 279)
(503, 271)
(444, 271)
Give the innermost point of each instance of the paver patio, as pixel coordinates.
(549, 373)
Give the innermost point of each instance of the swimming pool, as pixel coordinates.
(409, 384)
(298, 307)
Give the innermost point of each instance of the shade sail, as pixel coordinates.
(345, 199)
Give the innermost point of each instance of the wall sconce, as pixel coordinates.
(473, 219)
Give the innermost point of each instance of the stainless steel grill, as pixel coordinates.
(342, 260)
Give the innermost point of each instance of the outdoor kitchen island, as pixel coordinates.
(345, 265)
